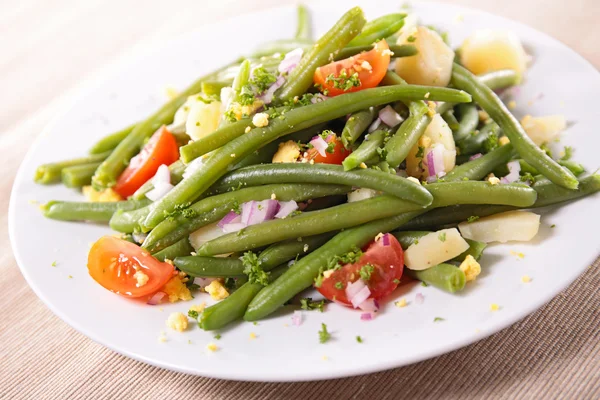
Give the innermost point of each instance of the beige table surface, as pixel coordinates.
(48, 48)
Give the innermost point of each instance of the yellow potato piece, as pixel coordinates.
(203, 119)
(434, 248)
(490, 50)
(432, 65)
(437, 132)
(543, 129)
(503, 227)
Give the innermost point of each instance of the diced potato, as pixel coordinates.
(503, 227)
(437, 132)
(543, 129)
(432, 65)
(434, 248)
(203, 119)
(361, 194)
(410, 26)
(489, 50)
(204, 234)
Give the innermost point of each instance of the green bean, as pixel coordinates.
(210, 266)
(356, 213)
(213, 88)
(78, 175)
(241, 79)
(480, 167)
(211, 209)
(451, 120)
(547, 194)
(378, 29)
(325, 174)
(179, 249)
(408, 134)
(576, 168)
(405, 50)
(303, 27)
(357, 124)
(302, 274)
(443, 276)
(468, 119)
(129, 221)
(473, 143)
(106, 175)
(490, 103)
(293, 121)
(344, 30)
(501, 79)
(220, 137)
(51, 173)
(88, 211)
(407, 238)
(233, 307)
(111, 141)
(287, 250)
(176, 169)
(367, 149)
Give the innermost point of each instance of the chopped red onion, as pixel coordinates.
(353, 288)
(385, 239)
(475, 156)
(392, 66)
(160, 190)
(318, 97)
(431, 179)
(267, 96)
(290, 61)
(233, 227)
(366, 316)
(320, 145)
(360, 297)
(369, 305)
(203, 282)
(419, 298)
(139, 237)
(193, 167)
(255, 212)
(286, 208)
(297, 318)
(156, 298)
(162, 175)
(230, 218)
(374, 125)
(389, 116)
(514, 167)
(435, 160)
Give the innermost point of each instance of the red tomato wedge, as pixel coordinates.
(370, 67)
(160, 149)
(336, 156)
(387, 262)
(126, 269)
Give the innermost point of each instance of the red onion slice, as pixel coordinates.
(435, 160)
(366, 316)
(297, 318)
(267, 96)
(162, 175)
(230, 218)
(156, 298)
(160, 190)
(353, 288)
(514, 168)
(290, 61)
(385, 240)
(233, 227)
(373, 127)
(286, 208)
(389, 116)
(255, 212)
(360, 297)
(475, 156)
(419, 298)
(320, 145)
(369, 305)
(317, 98)
(247, 211)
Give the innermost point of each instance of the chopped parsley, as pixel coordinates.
(308, 304)
(396, 281)
(438, 319)
(53, 263)
(527, 177)
(253, 269)
(382, 153)
(336, 262)
(193, 314)
(490, 143)
(411, 39)
(553, 226)
(339, 285)
(568, 153)
(425, 284)
(324, 335)
(343, 81)
(366, 271)
(230, 116)
(230, 284)
(236, 208)
(180, 210)
(218, 336)
(262, 79)
(546, 149)
(442, 237)
(359, 339)
(472, 218)
(420, 152)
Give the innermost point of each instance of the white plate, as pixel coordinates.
(283, 352)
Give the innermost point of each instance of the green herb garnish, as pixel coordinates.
(324, 335)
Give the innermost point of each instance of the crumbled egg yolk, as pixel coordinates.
(494, 307)
(252, 335)
(471, 268)
(176, 288)
(216, 290)
(503, 140)
(162, 338)
(483, 116)
(177, 321)
(141, 278)
(106, 195)
(287, 152)
(517, 254)
(425, 141)
(198, 307)
(512, 104)
(365, 65)
(401, 303)
(212, 347)
(248, 129)
(363, 165)
(260, 120)
(493, 180)
(327, 273)
(414, 180)
(525, 279)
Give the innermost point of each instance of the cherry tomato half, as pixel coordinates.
(114, 263)
(370, 67)
(160, 149)
(336, 155)
(387, 262)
